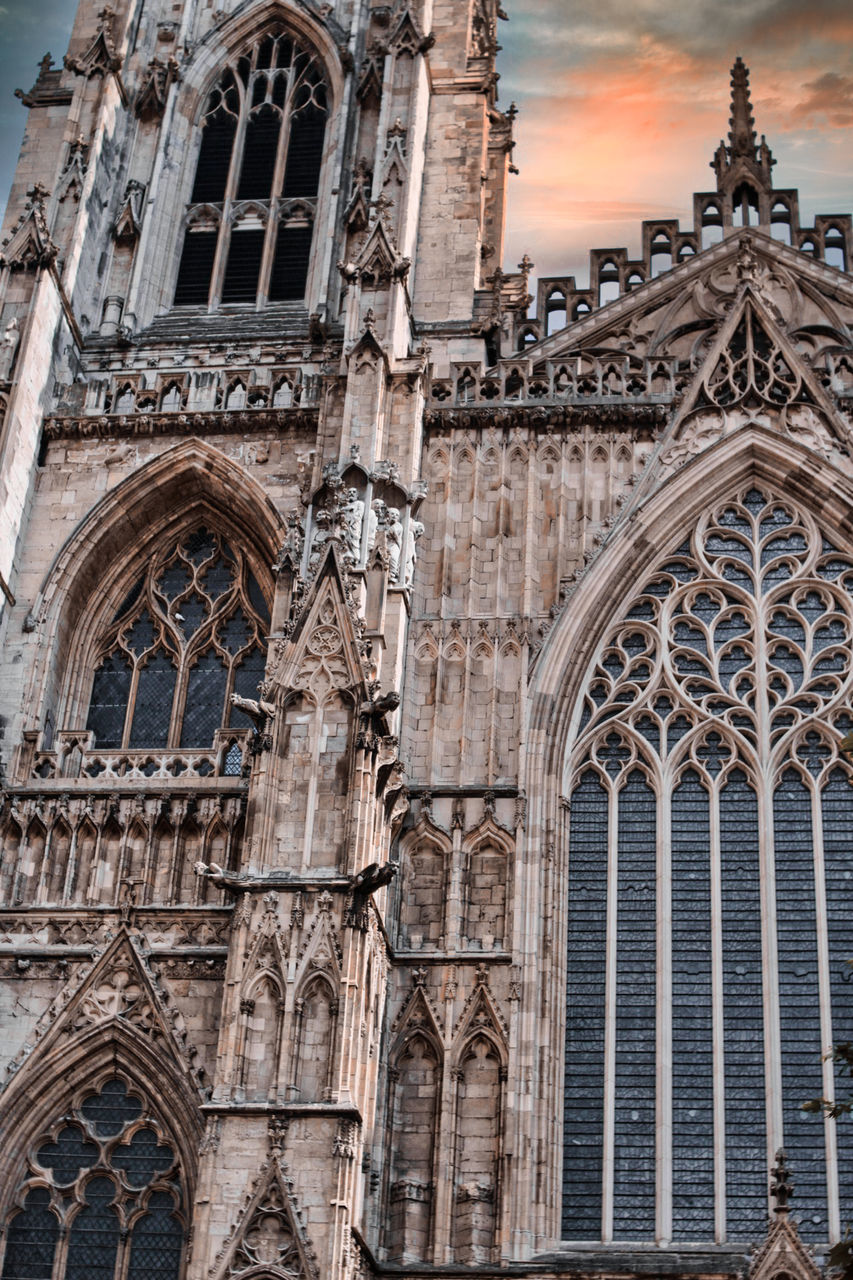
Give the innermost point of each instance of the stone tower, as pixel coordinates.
(424, 823)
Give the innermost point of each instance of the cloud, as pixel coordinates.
(830, 97)
(622, 107)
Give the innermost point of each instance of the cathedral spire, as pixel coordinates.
(744, 167)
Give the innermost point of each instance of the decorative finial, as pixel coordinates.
(741, 123)
(781, 1186)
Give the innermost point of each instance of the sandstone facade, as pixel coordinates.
(384, 662)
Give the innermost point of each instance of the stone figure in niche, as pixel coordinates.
(376, 518)
(9, 349)
(320, 535)
(416, 528)
(352, 515)
(394, 534)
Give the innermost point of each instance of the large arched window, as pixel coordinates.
(190, 632)
(102, 1197)
(710, 858)
(251, 215)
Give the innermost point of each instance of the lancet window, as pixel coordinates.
(709, 868)
(102, 1197)
(189, 633)
(250, 221)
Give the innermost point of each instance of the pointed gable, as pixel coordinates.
(268, 1238)
(117, 994)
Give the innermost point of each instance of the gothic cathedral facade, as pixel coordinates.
(425, 834)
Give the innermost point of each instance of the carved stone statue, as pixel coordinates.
(394, 534)
(352, 516)
(416, 528)
(374, 520)
(8, 349)
(320, 535)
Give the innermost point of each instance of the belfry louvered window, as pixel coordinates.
(710, 867)
(190, 632)
(250, 221)
(101, 1198)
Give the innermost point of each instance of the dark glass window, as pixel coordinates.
(194, 634)
(254, 199)
(714, 708)
(110, 1164)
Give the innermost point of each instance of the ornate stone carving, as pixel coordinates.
(156, 81)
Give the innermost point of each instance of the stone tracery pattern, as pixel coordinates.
(101, 1196)
(188, 634)
(253, 203)
(724, 688)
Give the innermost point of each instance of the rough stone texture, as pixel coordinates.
(368, 1067)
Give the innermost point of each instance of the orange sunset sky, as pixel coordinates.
(622, 103)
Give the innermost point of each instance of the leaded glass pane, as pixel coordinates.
(153, 707)
(31, 1239)
(66, 1157)
(143, 1158)
(94, 1234)
(110, 695)
(156, 1243)
(204, 710)
(584, 1086)
(112, 1109)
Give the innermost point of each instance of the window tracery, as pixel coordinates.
(101, 1198)
(250, 220)
(708, 799)
(189, 633)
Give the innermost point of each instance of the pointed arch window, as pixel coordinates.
(102, 1197)
(250, 221)
(190, 632)
(707, 873)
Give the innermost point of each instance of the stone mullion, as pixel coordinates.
(824, 987)
(769, 964)
(223, 239)
(131, 701)
(150, 862)
(563, 489)
(476, 532)
(453, 908)
(610, 1015)
(42, 872)
(174, 871)
(717, 1016)
(71, 868)
(92, 890)
(228, 1049)
(584, 500)
(123, 1253)
(532, 588)
(344, 1040)
(274, 196)
(445, 1192)
(663, 1033)
(314, 732)
(491, 726)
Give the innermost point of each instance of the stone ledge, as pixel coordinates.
(212, 422)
